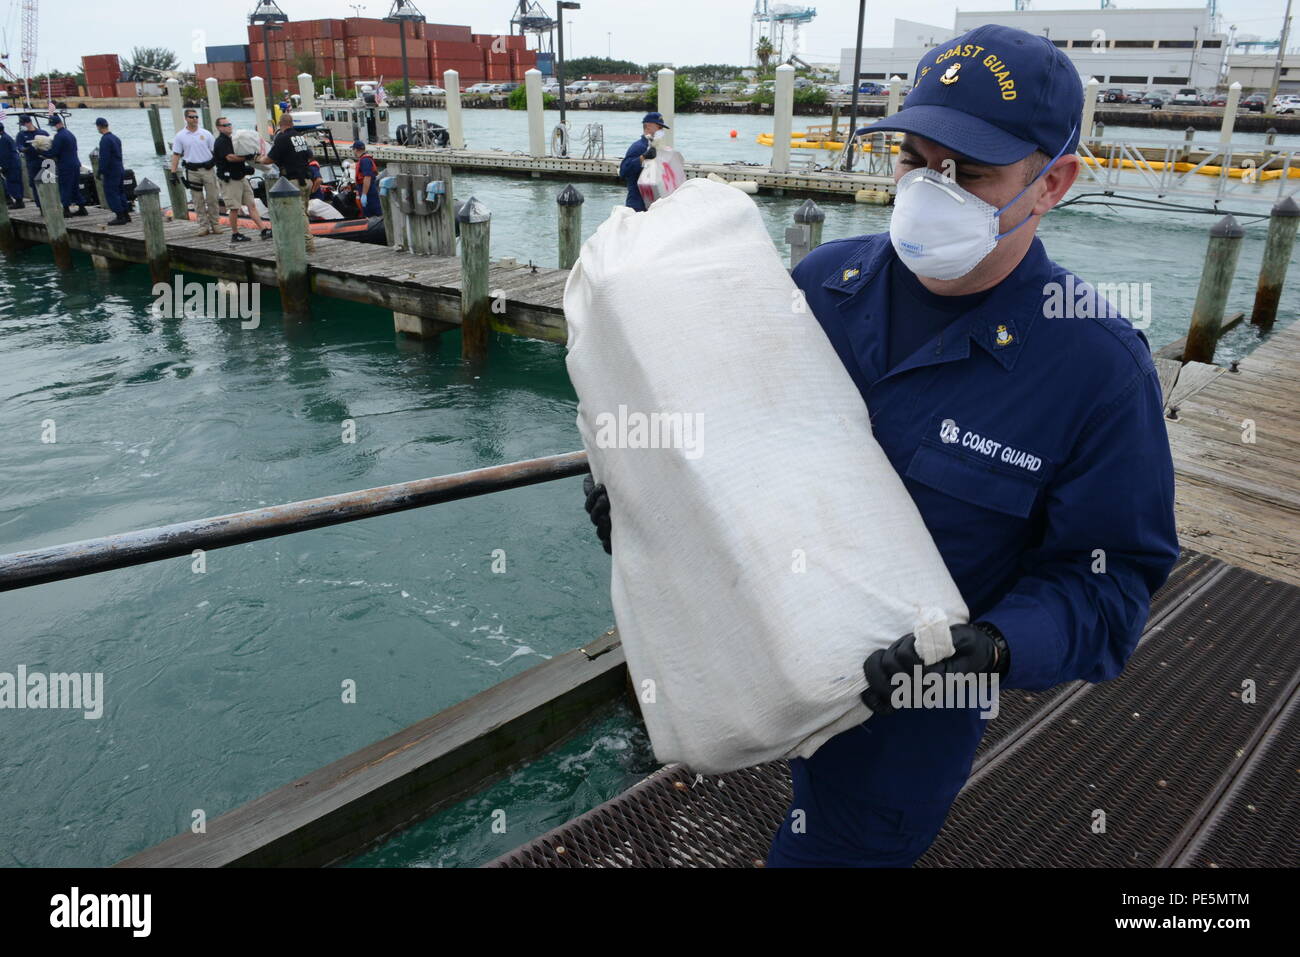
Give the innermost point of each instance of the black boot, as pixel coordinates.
(81, 211)
(121, 219)
(17, 204)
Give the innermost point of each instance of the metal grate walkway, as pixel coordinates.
(1184, 771)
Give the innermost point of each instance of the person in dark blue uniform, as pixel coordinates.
(30, 154)
(67, 165)
(630, 169)
(111, 171)
(1033, 444)
(11, 170)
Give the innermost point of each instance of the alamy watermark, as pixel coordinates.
(933, 689)
(77, 691)
(1105, 300)
(208, 300)
(651, 430)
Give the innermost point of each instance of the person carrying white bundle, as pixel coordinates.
(1033, 447)
(726, 418)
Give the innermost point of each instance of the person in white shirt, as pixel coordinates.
(193, 147)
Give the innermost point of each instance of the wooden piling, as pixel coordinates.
(570, 203)
(290, 236)
(1212, 296)
(782, 117)
(56, 227)
(176, 193)
(475, 304)
(155, 240)
(1188, 135)
(29, 188)
(205, 118)
(99, 180)
(155, 127)
(443, 211)
(813, 216)
(8, 241)
(387, 207)
(1282, 222)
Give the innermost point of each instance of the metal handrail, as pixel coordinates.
(94, 555)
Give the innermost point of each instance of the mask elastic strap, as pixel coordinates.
(1041, 173)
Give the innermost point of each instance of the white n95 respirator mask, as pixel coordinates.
(942, 231)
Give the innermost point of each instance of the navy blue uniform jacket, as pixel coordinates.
(1035, 450)
(630, 171)
(63, 150)
(110, 154)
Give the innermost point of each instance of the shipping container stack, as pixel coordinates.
(229, 64)
(364, 48)
(103, 72)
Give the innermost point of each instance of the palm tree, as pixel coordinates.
(764, 51)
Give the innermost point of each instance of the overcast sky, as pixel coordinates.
(676, 31)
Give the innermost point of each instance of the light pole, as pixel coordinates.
(357, 8)
(609, 46)
(1281, 52)
(560, 7)
(857, 70)
(270, 17)
(404, 12)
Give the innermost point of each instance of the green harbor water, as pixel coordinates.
(222, 685)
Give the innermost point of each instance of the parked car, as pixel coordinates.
(872, 89)
(1114, 95)
(802, 83)
(1187, 97)
(507, 87)
(1216, 99)
(577, 86)
(1287, 104)
(731, 87)
(1254, 103)
(1154, 100)
(482, 88)
(749, 91)
(428, 90)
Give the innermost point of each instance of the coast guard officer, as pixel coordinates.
(111, 171)
(1034, 446)
(630, 169)
(11, 170)
(28, 131)
(67, 166)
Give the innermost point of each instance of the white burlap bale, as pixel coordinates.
(761, 560)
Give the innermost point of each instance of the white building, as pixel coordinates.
(1254, 71)
(1127, 48)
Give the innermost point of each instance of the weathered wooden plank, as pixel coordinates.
(370, 795)
(1193, 377)
(1168, 370)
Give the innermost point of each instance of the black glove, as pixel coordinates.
(981, 649)
(597, 506)
(650, 153)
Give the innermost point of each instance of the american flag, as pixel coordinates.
(380, 95)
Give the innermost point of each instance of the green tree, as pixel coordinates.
(304, 62)
(579, 67)
(764, 51)
(139, 66)
(711, 72)
(518, 99)
(393, 88)
(231, 93)
(684, 93)
(191, 95)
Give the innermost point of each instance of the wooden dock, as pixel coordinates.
(817, 183)
(424, 286)
(1235, 438)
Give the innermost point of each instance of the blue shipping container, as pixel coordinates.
(546, 63)
(230, 53)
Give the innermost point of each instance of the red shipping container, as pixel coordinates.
(498, 59)
(339, 51)
(448, 32)
(125, 89)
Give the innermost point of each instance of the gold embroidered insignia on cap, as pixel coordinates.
(951, 75)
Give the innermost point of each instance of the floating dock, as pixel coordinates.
(424, 286)
(795, 182)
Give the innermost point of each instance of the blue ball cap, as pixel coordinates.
(358, 145)
(994, 94)
(654, 118)
(101, 122)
